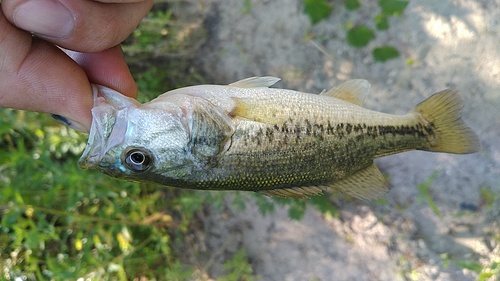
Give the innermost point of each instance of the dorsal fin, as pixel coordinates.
(353, 91)
(256, 82)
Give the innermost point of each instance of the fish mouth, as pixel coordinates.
(108, 127)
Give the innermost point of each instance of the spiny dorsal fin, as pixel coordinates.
(366, 184)
(294, 192)
(256, 82)
(353, 91)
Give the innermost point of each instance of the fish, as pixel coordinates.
(248, 136)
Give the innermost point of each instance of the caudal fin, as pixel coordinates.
(442, 112)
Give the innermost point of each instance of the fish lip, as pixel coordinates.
(108, 127)
(92, 153)
(110, 168)
(88, 162)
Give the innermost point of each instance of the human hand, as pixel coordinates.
(75, 43)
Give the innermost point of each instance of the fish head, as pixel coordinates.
(136, 141)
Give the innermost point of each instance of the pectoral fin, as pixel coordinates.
(354, 91)
(211, 131)
(366, 184)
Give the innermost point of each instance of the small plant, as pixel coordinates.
(361, 34)
(247, 7)
(487, 197)
(317, 10)
(490, 273)
(162, 34)
(352, 5)
(470, 265)
(238, 268)
(296, 207)
(486, 272)
(425, 194)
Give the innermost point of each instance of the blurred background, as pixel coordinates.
(439, 222)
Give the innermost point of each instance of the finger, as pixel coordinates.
(38, 76)
(119, 1)
(84, 26)
(107, 68)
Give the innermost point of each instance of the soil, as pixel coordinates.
(443, 44)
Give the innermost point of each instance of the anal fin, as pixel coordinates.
(294, 192)
(366, 184)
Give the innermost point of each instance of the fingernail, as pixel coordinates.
(68, 122)
(44, 17)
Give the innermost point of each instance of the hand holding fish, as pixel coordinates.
(247, 136)
(75, 43)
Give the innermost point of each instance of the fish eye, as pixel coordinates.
(138, 160)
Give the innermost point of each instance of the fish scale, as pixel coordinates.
(247, 136)
(337, 156)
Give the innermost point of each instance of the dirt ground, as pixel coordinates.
(453, 44)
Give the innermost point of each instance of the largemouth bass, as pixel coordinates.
(247, 136)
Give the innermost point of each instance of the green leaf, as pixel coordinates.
(317, 10)
(425, 194)
(264, 204)
(297, 210)
(381, 22)
(178, 271)
(34, 239)
(360, 36)
(322, 204)
(393, 7)
(487, 197)
(247, 7)
(470, 265)
(239, 201)
(385, 53)
(352, 4)
(5, 127)
(238, 268)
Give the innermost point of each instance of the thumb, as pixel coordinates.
(38, 76)
(85, 26)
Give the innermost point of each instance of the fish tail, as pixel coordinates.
(441, 118)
